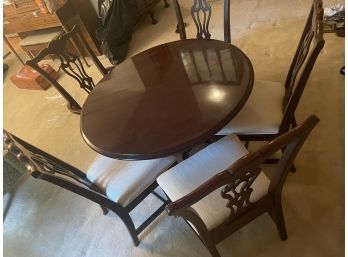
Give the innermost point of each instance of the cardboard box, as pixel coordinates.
(27, 78)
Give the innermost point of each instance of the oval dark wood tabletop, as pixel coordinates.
(166, 99)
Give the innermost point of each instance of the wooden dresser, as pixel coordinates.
(22, 17)
(19, 19)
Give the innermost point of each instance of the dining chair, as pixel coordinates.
(115, 185)
(222, 188)
(270, 109)
(201, 13)
(70, 64)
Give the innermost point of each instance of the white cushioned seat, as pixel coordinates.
(262, 113)
(123, 181)
(194, 171)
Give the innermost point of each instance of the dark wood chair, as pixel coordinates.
(115, 185)
(201, 13)
(222, 188)
(70, 63)
(270, 109)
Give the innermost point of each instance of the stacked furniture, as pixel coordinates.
(19, 19)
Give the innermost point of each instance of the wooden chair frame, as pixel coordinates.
(44, 166)
(245, 170)
(202, 7)
(70, 64)
(298, 74)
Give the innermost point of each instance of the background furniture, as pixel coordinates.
(116, 185)
(19, 19)
(222, 188)
(334, 23)
(270, 110)
(70, 63)
(153, 104)
(8, 44)
(38, 40)
(118, 22)
(143, 6)
(147, 5)
(201, 12)
(27, 78)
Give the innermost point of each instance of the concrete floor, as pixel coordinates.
(268, 32)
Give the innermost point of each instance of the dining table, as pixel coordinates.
(167, 99)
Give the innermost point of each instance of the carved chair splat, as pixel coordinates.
(70, 64)
(201, 14)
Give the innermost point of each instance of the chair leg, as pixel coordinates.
(74, 109)
(104, 209)
(277, 215)
(204, 236)
(213, 250)
(152, 16)
(127, 220)
(207, 241)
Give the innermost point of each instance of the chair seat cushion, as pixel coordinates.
(262, 113)
(123, 181)
(41, 37)
(194, 171)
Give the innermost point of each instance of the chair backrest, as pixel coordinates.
(45, 166)
(308, 49)
(70, 63)
(201, 13)
(236, 181)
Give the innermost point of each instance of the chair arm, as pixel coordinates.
(215, 182)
